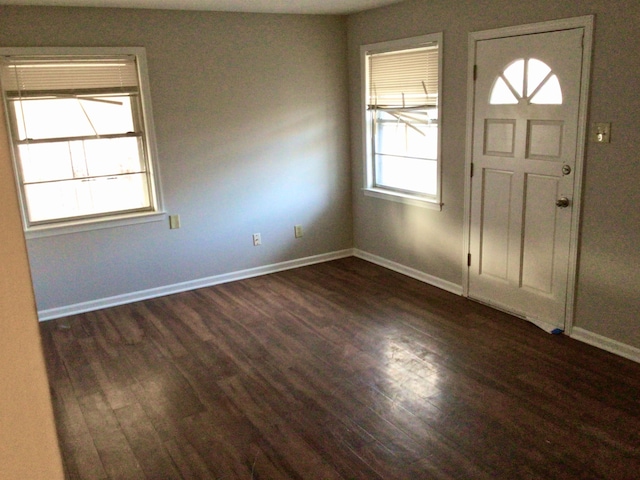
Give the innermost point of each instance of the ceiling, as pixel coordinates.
(259, 6)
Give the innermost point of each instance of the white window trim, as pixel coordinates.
(400, 197)
(369, 189)
(157, 213)
(112, 221)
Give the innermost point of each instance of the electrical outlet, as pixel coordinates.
(174, 221)
(257, 240)
(298, 231)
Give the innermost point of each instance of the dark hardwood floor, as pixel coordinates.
(342, 370)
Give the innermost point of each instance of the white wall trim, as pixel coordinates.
(608, 344)
(605, 343)
(58, 312)
(410, 272)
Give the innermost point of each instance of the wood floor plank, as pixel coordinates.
(111, 376)
(116, 454)
(292, 452)
(165, 338)
(341, 370)
(187, 461)
(80, 456)
(155, 461)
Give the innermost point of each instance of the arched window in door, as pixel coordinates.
(531, 81)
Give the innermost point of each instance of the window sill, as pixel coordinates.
(85, 226)
(403, 198)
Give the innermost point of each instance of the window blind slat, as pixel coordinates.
(406, 78)
(24, 74)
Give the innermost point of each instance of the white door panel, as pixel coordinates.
(525, 124)
(539, 239)
(495, 232)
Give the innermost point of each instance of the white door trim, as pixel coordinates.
(585, 22)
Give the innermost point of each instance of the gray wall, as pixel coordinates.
(608, 297)
(252, 119)
(252, 125)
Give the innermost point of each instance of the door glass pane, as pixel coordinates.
(514, 74)
(536, 73)
(550, 93)
(544, 87)
(501, 94)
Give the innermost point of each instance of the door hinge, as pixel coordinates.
(468, 259)
(471, 170)
(475, 72)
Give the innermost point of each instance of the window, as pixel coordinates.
(81, 140)
(531, 81)
(402, 84)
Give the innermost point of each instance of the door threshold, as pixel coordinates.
(546, 326)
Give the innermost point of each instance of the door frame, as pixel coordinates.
(587, 23)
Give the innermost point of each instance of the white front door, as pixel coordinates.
(525, 138)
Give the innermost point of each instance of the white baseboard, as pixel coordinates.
(613, 346)
(58, 312)
(410, 272)
(577, 333)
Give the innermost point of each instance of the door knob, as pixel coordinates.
(562, 202)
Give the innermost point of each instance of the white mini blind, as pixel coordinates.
(22, 75)
(404, 78)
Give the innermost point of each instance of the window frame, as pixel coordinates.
(370, 188)
(155, 212)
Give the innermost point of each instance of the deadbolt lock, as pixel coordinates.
(566, 169)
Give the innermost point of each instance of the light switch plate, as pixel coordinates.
(602, 132)
(174, 221)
